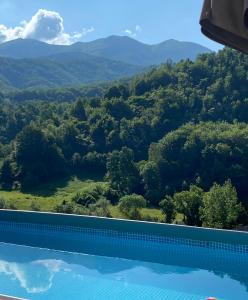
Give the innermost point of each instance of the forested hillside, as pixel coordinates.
(61, 70)
(27, 63)
(174, 138)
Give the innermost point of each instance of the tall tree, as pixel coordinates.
(151, 180)
(122, 171)
(37, 158)
(78, 110)
(6, 174)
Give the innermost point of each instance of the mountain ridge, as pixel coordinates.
(119, 48)
(27, 63)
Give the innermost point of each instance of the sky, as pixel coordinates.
(66, 22)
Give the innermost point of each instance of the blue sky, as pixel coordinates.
(149, 21)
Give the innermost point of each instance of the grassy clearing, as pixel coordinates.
(49, 195)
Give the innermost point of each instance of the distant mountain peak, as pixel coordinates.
(120, 48)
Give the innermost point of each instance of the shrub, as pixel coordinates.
(81, 211)
(109, 193)
(100, 208)
(85, 198)
(91, 194)
(130, 205)
(12, 206)
(189, 204)
(3, 204)
(65, 208)
(149, 218)
(168, 208)
(35, 206)
(221, 208)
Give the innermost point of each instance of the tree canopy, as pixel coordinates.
(174, 134)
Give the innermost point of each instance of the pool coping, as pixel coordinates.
(127, 226)
(5, 297)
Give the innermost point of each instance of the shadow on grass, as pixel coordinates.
(49, 189)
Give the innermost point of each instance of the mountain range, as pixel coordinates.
(26, 63)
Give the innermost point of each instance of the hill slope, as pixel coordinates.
(61, 70)
(120, 48)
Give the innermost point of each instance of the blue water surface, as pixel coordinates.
(38, 274)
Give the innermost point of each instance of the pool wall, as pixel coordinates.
(126, 226)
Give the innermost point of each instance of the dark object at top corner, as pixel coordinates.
(226, 22)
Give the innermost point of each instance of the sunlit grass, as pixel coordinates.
(49, 195)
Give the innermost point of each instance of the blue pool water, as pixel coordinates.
(105, 265)
(37, 274)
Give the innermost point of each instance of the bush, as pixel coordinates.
(130, 205)
(189, 204)
(107, 192)
(100, 208)
(3, 204)
(221, 208)
(91, 194)
(81, 211)
(35, 206)
(12, 206)
(168, 208)
(65, 208)
(149, 218)
(85, 197)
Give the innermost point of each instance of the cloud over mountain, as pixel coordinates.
(133, 33)
(46, 26)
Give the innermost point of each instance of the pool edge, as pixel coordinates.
(122, 225)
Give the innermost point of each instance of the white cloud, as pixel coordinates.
(35, 277)
(133, 33)
(46, 26)
(128, 32)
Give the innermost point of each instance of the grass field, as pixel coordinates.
(49, 195)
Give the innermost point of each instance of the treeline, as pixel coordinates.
(60, 94)
(178, 128)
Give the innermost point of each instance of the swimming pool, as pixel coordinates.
(65, 261)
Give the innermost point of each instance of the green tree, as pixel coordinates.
(168, 208)
(130, 205)
(38, 159)
(221, 208)
(151, 180)
(189, 203)
(78, 110)
(122, 171)
(118, 109)
(6, 174)
(117, 92)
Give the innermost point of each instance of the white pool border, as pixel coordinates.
(5, 297)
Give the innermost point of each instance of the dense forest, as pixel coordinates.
(175, 138)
